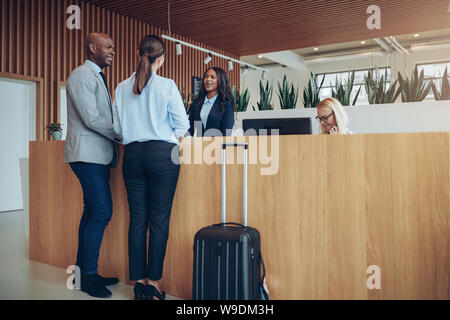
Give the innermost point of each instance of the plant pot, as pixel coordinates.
(56, 135)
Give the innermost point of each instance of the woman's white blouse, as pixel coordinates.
(206, 109)
(158, 113)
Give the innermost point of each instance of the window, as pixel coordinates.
(433, 72)
(330, 82)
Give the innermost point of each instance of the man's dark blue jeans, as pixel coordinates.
(94, 180)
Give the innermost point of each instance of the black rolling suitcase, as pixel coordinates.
(227, 256)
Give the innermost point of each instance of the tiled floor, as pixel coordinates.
(21, 278)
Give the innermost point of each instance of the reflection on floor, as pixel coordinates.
(23, 279)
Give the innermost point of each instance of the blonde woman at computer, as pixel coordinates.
(332, 117)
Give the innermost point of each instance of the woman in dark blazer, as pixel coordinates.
(212, 113)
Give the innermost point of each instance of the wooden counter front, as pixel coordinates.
(337, 205)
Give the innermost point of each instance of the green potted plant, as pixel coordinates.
(287, 94)
(265, 96)
(376, 89)
(241, 101)
(55, 130)
(414, 89)
(444, 94)
(311, 97)
(343, 90)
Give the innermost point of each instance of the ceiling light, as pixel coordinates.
(211, 53)
(178, 48)
(207, 59)
(316, 49)
(363, 42)
(259, 56)
(416, 35)
(230, 65)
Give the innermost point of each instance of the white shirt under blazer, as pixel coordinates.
(158, 113)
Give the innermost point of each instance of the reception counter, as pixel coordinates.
(328, 208)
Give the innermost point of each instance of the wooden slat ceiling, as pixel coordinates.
(248, 27)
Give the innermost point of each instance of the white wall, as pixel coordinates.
(351, 62)
(25, 181)
(63, 111)
(430, 116)
(276, 73)
(17, 128)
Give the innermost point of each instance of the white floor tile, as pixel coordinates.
(21, 278)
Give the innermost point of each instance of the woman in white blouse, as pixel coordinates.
(150, 115)
(332, 117)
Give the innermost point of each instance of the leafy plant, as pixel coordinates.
(444, 94)
(311, 96)
(414, 89)
(241, 101)
(287, 94)
(54, 126)
(265, 94)
(376, 89)
(343, 90)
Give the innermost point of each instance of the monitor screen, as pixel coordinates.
(284, 125)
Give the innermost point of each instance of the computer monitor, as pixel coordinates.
(284, 125)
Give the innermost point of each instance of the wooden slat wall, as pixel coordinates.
(36, 43)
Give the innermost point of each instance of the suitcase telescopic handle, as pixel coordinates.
(229, 223)
(235, 144)
(224, 189)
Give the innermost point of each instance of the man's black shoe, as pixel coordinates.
(92, 286)
(104, 281)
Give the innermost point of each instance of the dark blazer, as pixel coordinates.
(216, 119)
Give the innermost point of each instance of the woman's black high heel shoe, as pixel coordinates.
(140, 291)
(153, 292)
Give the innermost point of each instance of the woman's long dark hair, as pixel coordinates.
(223, 88)
(150, 48)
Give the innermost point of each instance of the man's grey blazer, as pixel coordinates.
(90, 129)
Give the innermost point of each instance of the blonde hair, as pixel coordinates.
(339, 113)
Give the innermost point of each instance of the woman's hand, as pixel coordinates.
(334, 130)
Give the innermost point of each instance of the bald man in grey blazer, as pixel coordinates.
(91, 151)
